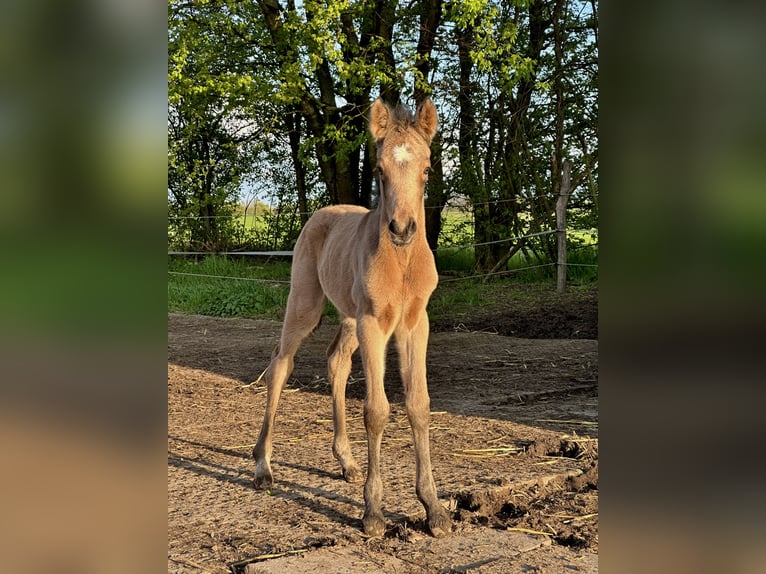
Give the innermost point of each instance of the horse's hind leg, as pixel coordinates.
(338, 368)
(304, 309)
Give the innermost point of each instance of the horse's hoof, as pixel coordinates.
(374, 525)
(353, 474)
(264, 482)
(440, 524)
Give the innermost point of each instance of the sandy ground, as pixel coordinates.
(513, 443)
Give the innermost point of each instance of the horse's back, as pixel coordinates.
(327, 252)
(329, 225)
(337, 215)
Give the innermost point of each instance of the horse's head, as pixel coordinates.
(404, 160)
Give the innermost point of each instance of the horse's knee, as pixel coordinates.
(279, 369)
(418, 409)
(376, 415)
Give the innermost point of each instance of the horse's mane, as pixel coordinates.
(401, 117)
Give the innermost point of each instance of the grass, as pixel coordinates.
(458, 297)
(232, 287)
(455, 259)
(249, 295)
(244, 287)
(583, 260)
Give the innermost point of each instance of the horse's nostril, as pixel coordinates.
(402, 235)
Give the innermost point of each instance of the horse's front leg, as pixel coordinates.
(411, 345)
(372, 343)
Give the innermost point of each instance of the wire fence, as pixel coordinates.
(248, 253)
(506, 272)
(256, 279)
(441, 280)
(441, 249)
(461, 205)
(438, 249)
(506, 240)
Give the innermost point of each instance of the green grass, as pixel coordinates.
(254, 297)
(461, 261)
(587, 256)
(236, 287)
(252, 222)
(247, 296)
(455, 259)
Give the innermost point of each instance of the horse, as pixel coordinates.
(376, 267)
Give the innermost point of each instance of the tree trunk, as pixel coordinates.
(385, 12)
(294, 127)
(467, 152)
(436, 197)
(512, 149)
(347, 177)
(561, 227)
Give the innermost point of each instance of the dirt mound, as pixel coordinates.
(562, 506)
(546, 315)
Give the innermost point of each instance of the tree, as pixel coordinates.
(520, 114)
(211, 138)
(290, 84)
(331, 56)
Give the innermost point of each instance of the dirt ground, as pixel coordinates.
(513, 443)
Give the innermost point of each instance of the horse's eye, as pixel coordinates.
(427, 170)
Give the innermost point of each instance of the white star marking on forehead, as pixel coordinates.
(402, 154)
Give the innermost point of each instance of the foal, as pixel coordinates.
(376, 268)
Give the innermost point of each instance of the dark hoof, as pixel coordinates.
(263, 482)
(440, 524)
(374, 525)
(353, 474)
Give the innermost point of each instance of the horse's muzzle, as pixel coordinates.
(402, 236)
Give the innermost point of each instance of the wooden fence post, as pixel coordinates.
(561, 226)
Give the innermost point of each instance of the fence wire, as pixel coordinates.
(256, 279)
(255, 253)
(444, 280)
(453, 247)
(290, 253)
(468, 207)
(507, 271)
(446, 248)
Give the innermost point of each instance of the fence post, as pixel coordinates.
(561, 226)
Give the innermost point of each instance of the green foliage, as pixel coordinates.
(457, 227)
(271, 97)
(526, 100)
(212, 96)
(583, 261)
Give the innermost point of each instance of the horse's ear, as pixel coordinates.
(426, 119)
(379, 119)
